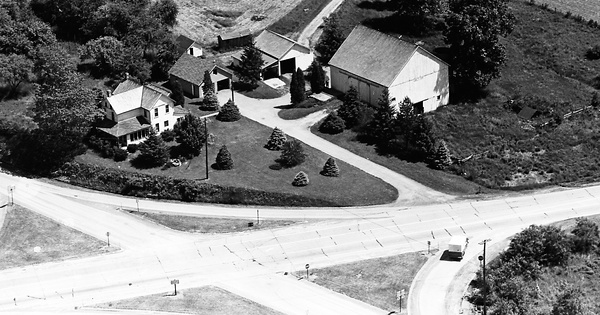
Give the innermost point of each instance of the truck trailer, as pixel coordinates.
(457, 246)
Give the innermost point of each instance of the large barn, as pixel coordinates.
(372, 61)
(280, 54)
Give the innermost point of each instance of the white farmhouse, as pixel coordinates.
(132, 109)
(371, 61)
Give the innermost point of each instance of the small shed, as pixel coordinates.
(527, 113)
(235, 39)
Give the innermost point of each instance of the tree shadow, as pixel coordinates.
(290, 106)
(403, 25)
(377, 5)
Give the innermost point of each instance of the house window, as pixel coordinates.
(166, 123)
(131, 137)
(167, 109)
(156, 112)
(215, 70)
(157, 127)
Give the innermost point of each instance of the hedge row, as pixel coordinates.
(162, 187)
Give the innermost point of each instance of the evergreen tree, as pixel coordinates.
(421, 140)
(301, 179)
(250, 67)
(210, 101)
(276, 140)
(381, 128)
(332, 124)
(224, 161)
(317, 77)
(153, 152)
(441, 157)
(207, 83)
(229, 112)
(190, 135)
(177, 93)
(331, 39)
(298, 87)
(349, 111)
(330, 168)
(292, 153)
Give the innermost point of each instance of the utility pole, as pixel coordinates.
(108, 238)
(484, 242)
(175, 282)
(206, 145)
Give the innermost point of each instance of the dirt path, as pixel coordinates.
(309, 35)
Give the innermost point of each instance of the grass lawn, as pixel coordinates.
(306, 108)
(296, 20)
(23, 230)
(210, 225)
(373, 281)
(264, 91)
(207, 300)
(545, 59)
(255, 167)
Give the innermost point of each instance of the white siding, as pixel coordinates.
(195, 50)
(369, 92)
(163, 116)
(422, 79)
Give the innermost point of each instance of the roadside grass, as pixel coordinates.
(307, 107)
(297, 19)
(210, 225)
(373, 281)
(23, 230)
(208, 300)
(256, 168)
(546, 60)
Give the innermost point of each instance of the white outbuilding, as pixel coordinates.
(372, 61)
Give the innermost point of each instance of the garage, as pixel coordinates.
(288, 65)
(222, 84)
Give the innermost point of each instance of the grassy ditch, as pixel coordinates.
(547, 70)
(23, 230)
(373, 281)
(255, 179)
(210, 225)
(204, 300)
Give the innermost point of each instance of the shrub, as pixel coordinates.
(153, 152)
(292, 153)
(224, 161)
(301, 179)
(332, 124)
(350, 109)
(593, 53)
(276, 140)
(330, 168)
(132, 148)
(585, 236)
(441, 157)
(229, 112)
(119, 154)
(168, 135)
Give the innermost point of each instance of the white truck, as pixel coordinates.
(457, 246)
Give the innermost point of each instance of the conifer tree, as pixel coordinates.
(210, 101)
(298, 87)
(332, 124)
(381, 128)
(177, 93)
(330, 168)
(441, 158)
(276, 140)
(229, 112)
(207, 83)
(292, 153)
(153, 151)
(317, 77)
(224, 161)
(301, 179)
(250, 66)
(349, 111)
(331, 39)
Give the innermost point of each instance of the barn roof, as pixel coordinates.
(235, 34)
(373, 55)
(191, 69)
(274, 44)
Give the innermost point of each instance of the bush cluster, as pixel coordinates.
(168, 135)
(332, 124)
(107, 149)
(162, 187)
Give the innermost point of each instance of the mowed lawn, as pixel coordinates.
(23, 230)
(256, 167)
(208, 300)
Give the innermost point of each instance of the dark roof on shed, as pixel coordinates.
(373, 55)
(183, 43)
(191, 69)
(235, 34)
(527, 113)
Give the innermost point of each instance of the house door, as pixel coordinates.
(223, 84)
(418, 108)
(195, 90)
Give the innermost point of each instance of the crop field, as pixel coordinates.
(203, 20)
(588, 9)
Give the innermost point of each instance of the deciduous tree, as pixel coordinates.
(165, 11)
(331, 39)
(190, 135)
(585, 236)
(14, 70)
(107, 53)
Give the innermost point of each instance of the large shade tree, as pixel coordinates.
(190, 135)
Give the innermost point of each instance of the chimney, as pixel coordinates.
(420, 43)
(126, 75)
(108, 93)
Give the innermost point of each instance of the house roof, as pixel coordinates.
(191, 69)
(142, 96)
(180, 111)
(373, 55)
(183, 43)
(123, 127)
(267, 60)
(126, 86)
(274, 44)
(235, 34)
